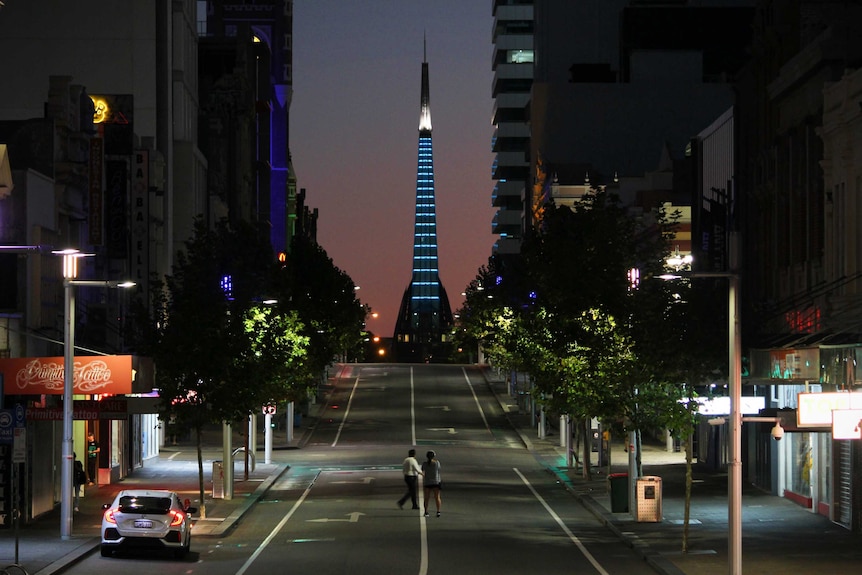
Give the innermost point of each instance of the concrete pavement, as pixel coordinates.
(779, 537)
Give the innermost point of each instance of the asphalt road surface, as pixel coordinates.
(335, 512)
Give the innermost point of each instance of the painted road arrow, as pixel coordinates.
(353, 518)
(365, 480)
(443, 407)
(449, 430)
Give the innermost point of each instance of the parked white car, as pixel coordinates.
(145, 518)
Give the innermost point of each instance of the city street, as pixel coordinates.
(335, 510)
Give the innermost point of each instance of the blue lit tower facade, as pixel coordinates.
(424, 318)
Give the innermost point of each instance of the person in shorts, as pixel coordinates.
(433, 483)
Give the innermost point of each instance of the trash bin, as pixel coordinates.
(648, 506)
(618, 485)
(218, 480)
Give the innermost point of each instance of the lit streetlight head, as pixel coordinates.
(679, 260)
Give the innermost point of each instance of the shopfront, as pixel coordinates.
(99, 406)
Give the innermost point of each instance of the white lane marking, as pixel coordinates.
(278, 528)
(476, 399)
(423, 536)
(562, 525)
(346, 411)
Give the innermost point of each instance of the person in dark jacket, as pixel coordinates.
(79, 478)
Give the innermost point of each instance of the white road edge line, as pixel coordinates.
(278, 528)
(476, 399)
(346, 412)
(562, 525)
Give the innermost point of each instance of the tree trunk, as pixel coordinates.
(202, 509)
(248, 442)
(610, 442)
(585, 429)
(689, 446)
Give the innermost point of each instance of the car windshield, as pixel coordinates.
(130, 504)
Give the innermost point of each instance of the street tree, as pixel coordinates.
(219, 352)
(601, 334)
(581, 259)
(325, 298)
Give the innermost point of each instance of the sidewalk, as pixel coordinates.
(778, 536)
(41, 551)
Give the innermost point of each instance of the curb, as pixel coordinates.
(655, 560)
(255, 496)
(87, 547)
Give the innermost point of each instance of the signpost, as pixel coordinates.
(13, 436)
(268, 412)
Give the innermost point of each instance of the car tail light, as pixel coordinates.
(109, 515)
(178, 517)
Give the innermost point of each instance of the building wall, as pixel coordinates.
(619, 128)
(570, 33)
(841, 133)
(146, 48)
(781, 188)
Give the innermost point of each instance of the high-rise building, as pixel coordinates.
(246, 63)
(513, 77)
(425, 318)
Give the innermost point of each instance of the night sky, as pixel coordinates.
(354, 137)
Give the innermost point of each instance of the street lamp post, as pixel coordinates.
(70, 272)
(734, 512)
(734, 378)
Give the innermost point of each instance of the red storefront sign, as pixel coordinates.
(98, 374)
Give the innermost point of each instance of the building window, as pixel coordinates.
(519, 56)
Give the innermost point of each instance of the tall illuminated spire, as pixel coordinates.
(425, 101)
(425, 318)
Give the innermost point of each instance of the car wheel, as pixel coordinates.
(107, 551)
(183, 551)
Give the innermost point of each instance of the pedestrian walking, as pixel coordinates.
(79, 478)
(412, 471)
(433, 483)
(92, 457)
